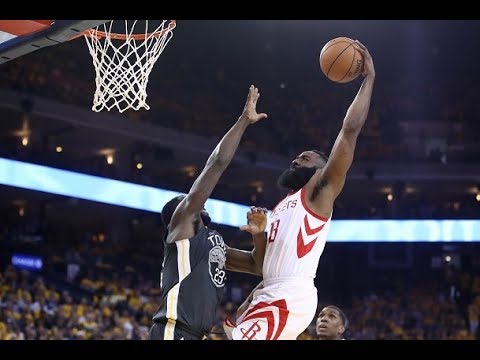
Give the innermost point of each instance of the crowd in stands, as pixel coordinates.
(108, 299)
(33, 308)
(92, 288)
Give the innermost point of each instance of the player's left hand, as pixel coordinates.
(257, 220)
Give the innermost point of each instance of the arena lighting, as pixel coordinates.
(108, 191)
(120, 193)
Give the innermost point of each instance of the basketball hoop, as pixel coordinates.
(124, 59)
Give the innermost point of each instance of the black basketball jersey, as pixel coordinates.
(193, 280)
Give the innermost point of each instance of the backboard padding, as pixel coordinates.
(59, 32)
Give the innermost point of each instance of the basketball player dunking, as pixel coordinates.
(196, 257)
(284, 304)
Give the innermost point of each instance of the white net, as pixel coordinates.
(123, 61)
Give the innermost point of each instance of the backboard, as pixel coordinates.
(20, 37)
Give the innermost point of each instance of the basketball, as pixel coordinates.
(340, 61)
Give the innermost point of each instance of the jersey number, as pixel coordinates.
(219, 276)
(273, 230)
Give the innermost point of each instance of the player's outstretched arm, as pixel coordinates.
(219, 160)
(250, 261)
(341, 156)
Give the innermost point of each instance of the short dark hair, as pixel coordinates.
(343, 317)
(321, 153)
(169, 209)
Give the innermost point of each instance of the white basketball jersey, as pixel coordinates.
(296, 238)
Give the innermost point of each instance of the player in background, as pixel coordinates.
(331, 323)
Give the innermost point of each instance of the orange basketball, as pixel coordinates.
(340, 61)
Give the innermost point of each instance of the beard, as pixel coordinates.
(205, 218)
(295, 178)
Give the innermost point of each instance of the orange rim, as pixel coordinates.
(102, 34)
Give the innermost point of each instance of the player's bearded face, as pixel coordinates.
(205, 218)
(295, 178)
